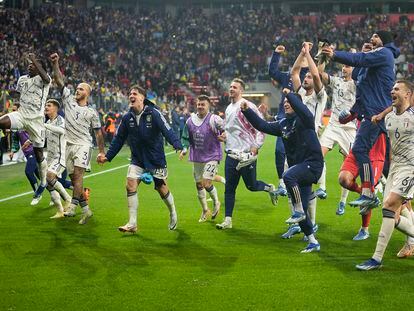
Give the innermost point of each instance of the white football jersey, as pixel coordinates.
(79, 120)
(240, 134)
(400, 130)
(55, 139)
(316, 104)
(343, 98)
(33, 93)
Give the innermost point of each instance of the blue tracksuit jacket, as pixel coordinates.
(144, 138)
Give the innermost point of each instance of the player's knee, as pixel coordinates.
(207, 183)
(160, 186)
(199, 185)
(343, 181)
(289, 179)
(391, 204)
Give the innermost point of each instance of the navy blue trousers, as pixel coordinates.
(366, 137)
(248, 173)
(299, 178)
(31, 171)
(280, 157)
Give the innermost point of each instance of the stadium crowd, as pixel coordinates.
(112, 48)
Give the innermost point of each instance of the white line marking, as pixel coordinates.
(90, 175)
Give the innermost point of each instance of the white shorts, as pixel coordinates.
(77, 155)
(337, 135)
(35, 127)
(135, 171)
(55, 166)
(400, 181)
(205, 170)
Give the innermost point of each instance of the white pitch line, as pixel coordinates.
(90, 175)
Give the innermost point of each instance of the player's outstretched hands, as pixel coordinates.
(280, 49)
(101, 159)
(54, 58)
(286, 91)
(244, 106)
(328, 51)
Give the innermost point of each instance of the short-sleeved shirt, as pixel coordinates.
(56, 143)
(343, 98)
(33, 93)
(79, 120)
(400, 130)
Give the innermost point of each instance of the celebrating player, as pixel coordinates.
(314, 97)
(56, 145)
(304, 157)
(80, 119)
(400, 183)
(201, 133)
(242, 145)
(343, 98)
(284, 80)
(144, 127)
(33, 89)
(375, 77)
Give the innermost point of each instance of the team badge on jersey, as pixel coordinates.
(149, 121)
(406, 123)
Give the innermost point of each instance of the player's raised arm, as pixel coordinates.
(57, 74)
(312, 68)
(295, 71)
(42, 72)
(323, 75)
(274, 72)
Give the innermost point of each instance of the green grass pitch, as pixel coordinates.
(59, 265)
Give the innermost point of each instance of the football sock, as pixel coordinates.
(322, 179)
(212, 191)
(169, 201)
(132, 198)
(201, 193)
(387, 227)
(344, 195)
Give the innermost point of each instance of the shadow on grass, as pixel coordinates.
(186, 251)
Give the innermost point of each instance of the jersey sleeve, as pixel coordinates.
(95, 122)
(332, 81)
(260, 136)
(217, 124)
(66, 96)
(19, 86)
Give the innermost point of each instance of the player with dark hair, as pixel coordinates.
(56, 156)
(144, 127)
(33, 89)
(304, 157)
(375, 77)
(284, 80)
(200, 134)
